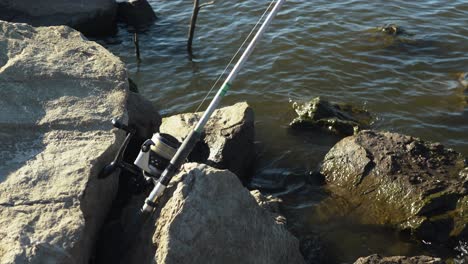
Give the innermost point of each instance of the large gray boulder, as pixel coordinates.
(229, 137)
(91, 17)
(401, 181)
(207, 216)
(58, 93)
(377, 259)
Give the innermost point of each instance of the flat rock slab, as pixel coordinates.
(398, 180)
(376, 259)
(229, 137)
(91, 17)
(58, 93)
(207, 216)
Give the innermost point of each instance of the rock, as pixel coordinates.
(91, 17)
(463, 79)
(146, 119)
(397, 40)
(401, 181)
(136, 13)
(392, 29)
(340, 119)
(376, 259)
(143, 116)
(207, 216)
(313, 249)
(269, 203)
(229, 138)
(58, 94)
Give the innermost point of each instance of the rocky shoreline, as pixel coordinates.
(59, 92)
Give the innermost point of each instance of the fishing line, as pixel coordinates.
(235, 55)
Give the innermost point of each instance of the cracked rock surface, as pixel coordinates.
(58, 93)
(207, 216)
(228, 142)
(401, 181)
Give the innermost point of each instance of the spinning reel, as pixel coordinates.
(160, 158)
(155, 155)
(152, 160)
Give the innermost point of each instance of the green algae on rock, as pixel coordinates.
(400, 181)
(338, 118)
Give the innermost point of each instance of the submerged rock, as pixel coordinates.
(341, 119)
(463, 79)
(377, 259)
(401, 181)
(393, 37)
(228, 142)
(207, 216)
(91, 17)
(391, 29)
(58, 94)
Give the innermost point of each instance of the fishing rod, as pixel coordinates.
(184, 150)
(162, 156)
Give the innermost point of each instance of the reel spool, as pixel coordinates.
(156, 154)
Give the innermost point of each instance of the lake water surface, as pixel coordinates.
(316, 48)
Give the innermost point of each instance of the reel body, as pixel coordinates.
(155, 155)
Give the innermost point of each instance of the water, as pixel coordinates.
(315, 48)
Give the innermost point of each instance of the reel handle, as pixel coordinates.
(108, 170)
(117, 124)
(118, 160)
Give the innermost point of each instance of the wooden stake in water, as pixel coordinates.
(193, 22)
(136, 42)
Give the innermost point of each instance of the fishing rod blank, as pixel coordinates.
(187, 146)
